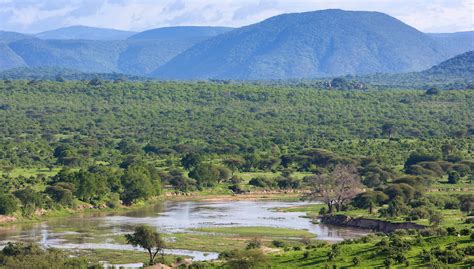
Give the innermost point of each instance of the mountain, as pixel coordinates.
(459, 66)
(150, 49)
(454, 73)
(85, 32)
(8, 57)
(312, 44)
(84, 55)
(180, 33)
(455, 43)
(137, 56)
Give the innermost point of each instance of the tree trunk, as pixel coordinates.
(152, 260)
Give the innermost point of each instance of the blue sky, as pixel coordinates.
(32, 16)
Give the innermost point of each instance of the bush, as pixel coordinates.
(453, 177)
(451, 231)
(262, 182)
(8, 204)
(306, 255)
(278, 243)
(356, 261)
(254, 243)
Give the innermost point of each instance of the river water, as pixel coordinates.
(96, 230)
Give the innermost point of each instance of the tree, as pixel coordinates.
(453, 177)
(8, 204)
(147, 238)
(206, 175)
(369, 200)
(191, 160)
(30, 199)
(388, 129)
(138, 184)
(433, 91)
(336, 189)
(233, 163)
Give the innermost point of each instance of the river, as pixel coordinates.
(96, 230)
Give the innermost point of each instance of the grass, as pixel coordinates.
(257, 231)
(367, 254)
(96, 256)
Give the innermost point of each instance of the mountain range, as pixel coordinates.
(299, 45)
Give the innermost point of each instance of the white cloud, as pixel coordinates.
(40, 15)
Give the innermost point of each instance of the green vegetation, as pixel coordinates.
(257, 231)
(398, 155)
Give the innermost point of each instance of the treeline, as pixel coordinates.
(99, 186)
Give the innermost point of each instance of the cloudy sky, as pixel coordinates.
(32, 16)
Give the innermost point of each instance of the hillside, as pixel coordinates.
(454, 73)
(311, 44)
(455, 43)
(459, 66)
(180, 32)
(85, 32)
(137, 56)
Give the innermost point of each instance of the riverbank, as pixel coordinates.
(370, 224)
(87, 209)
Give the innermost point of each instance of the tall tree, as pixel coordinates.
(336, 188)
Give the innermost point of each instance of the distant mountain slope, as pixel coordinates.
(150, 49)
(85, 32)
(455, 73)
(142, 57)
(84, 55)
(135, 56)
(180, 32)
(8, 57)
(311, 44)
(459, 66)
(455, 43)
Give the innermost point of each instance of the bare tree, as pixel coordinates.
(337, 188)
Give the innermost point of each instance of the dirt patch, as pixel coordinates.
(6, 219)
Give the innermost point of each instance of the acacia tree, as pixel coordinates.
(147, 238)
(336, 188)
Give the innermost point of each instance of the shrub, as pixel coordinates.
(278, 243)
(305, 254)
(254, 243)
(8, 204)
(453, 177)
(451, 231)
(356, 261)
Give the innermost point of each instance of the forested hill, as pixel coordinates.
(311, 44)
(455, 73)
(460, 66)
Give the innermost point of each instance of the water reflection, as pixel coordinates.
(96, 230)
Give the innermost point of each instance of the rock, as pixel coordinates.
(372, 224)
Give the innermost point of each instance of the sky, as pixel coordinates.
(32, 16)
